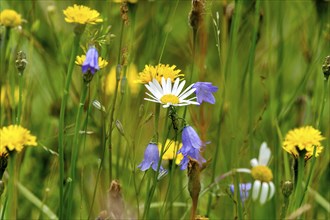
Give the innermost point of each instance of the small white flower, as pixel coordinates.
(168, 95)
(263, 187)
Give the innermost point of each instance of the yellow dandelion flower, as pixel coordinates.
(15, 137)
(82, 15)
(80, 60)
(171, 149)
(10, 18)
(110, 80)
(303, 139)
(157, 72)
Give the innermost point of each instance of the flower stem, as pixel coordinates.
(310, 175)
(298, 181)
(12, 190)
(75, 148)
(112, 112)
(20, 88)
(61, 122)
(154, 185)
(324, 101)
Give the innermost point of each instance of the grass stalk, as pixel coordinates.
(64, 101)
(75, 148)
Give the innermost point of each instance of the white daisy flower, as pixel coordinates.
(263, 187)
(168, 95)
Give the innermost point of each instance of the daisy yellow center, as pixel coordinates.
(169, 98)
(262, 173)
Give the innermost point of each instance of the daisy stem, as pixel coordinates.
(323, 102)
(61, 122)
(75, 148)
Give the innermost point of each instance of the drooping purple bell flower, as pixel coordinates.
(91, 62)
(151, 158)
(192, 153)
(204, 92)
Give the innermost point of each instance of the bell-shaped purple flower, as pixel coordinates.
(151, 158)
(193, 153)
(91, 62)
(204, 92)
(244, 189)
(190, 139)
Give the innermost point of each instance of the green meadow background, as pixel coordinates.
(268, 85)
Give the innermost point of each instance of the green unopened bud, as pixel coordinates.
(326, 68)
(21, 62)
(120, 127)
(97, 104)
(287, 188)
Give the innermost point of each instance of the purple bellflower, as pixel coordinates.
(91, 62)
(204, 92)
(151, 158)
(244, 189)
(191, 146)
(193, 153)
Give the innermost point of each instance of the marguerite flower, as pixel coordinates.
(15, 137)
(168, 95)
(303, 140)
(204, 92)
(151, 159)
(82, 15)
(158, 72)
(263, 187)
(10, 18)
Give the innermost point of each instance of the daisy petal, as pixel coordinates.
(272, 190)
(256, 189)
(254, 162)
(264, 154)
(264, 193)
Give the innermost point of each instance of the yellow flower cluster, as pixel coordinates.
(15, 137)
(82, 15)
(10, 18)
(157, 72)
(80, 60)
(171, 149)
(303, 140)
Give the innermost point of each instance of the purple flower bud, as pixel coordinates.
(91, 62)
(204, 92)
